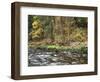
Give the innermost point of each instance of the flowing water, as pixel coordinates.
(39, 57)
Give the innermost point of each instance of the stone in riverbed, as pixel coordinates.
(54, 59)
(69, 54)
(84, 55)
(73, 63)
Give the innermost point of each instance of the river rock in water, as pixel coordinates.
(38, 57)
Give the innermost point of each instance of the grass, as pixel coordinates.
(81, 48)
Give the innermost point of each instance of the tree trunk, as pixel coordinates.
(58, 30)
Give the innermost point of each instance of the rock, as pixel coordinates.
(69, 54)
(74, 63)
(40, 57)
(34, 60)
(30, 56)
(76, 55)
(48, 53)
(53, 64)
(54, 59)
(84, 55)
(65, 52)
(55, 55)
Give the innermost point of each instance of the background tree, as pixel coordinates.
(61, 30)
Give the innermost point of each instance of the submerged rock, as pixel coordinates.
(38, 57)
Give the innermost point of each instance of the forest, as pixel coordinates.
(57, 40)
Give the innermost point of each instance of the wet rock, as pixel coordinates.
(65, 52)
(54, 59)
(84, 55)
(55, 55)
(49, 53)
(38, 57)
(76, 55)
(74, 63)
(69, 54)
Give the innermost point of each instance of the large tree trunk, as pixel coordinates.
(62, 29)
(58, 30)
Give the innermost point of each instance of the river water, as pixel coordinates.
(38, 57)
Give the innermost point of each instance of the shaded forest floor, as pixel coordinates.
(49, 54)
